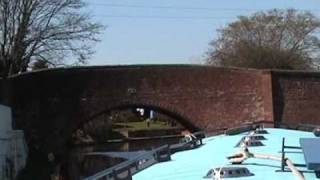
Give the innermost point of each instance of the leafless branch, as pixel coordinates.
(43, 29)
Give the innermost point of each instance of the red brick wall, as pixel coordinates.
(296, 97)
(200, 97)
(50, 105)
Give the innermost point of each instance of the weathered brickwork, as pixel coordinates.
(200, 97)
(51, 104)
(296, 97)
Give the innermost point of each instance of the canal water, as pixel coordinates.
(83, 165)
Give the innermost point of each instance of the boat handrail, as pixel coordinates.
(124, 165)
(155, 154)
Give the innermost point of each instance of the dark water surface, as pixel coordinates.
(83, 165)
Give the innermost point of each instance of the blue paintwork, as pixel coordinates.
(194, 164)
(311, 150)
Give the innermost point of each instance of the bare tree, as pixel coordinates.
(281, 39)
(44, 30)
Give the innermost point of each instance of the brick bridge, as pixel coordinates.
(51, 104)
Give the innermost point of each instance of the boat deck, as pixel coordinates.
(194, 164)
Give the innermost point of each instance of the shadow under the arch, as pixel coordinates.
(178, 117)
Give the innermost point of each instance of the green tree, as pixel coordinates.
(49, 31)
(276, 39)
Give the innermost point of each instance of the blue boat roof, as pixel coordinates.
(194, 164)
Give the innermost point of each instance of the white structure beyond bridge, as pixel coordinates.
(13, 149)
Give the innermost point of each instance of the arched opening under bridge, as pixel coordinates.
(128, 127)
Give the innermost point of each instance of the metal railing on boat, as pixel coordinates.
(125, 170)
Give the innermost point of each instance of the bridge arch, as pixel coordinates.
(160, 108)
(50, 104)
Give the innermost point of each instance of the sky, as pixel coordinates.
(170, 31)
